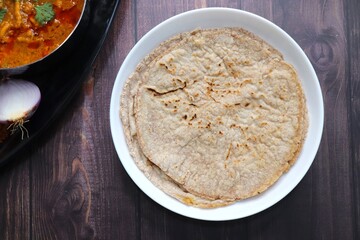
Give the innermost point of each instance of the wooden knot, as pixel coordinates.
(325, 50)
(72, 200)
(70, 203)
(321, 53)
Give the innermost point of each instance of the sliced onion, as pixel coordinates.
(19, 99)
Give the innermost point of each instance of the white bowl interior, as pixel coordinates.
(211, 18)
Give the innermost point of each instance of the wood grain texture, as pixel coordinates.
(71, 185)
(353, 74)
(15, 214)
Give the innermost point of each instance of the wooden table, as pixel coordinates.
(71, 184)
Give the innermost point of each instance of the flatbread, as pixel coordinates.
(151, 171)
(215, 115)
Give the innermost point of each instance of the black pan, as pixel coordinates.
(57, 55)
(61, 74)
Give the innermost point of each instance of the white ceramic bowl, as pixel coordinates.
(224, 17)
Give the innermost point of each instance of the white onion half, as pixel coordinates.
(19, 99)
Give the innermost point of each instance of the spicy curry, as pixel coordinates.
(32, 29)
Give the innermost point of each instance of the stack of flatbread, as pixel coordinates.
(214, 116)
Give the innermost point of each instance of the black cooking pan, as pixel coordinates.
(60, 77)
(55, 57)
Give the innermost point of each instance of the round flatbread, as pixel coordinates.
(218, 113)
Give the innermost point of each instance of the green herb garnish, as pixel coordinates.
(44, 13)
(2, 14)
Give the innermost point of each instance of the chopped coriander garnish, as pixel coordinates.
(2, 14)
(44, 13)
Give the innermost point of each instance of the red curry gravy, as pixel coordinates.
(24, 38)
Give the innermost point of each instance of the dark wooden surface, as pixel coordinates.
(71, 184)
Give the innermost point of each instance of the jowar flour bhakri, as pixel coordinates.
(214, 116)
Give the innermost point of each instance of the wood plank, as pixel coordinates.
(114, 211)
(353, 74)
(312, 210)
(78, 181)
(15, 213)
(153, 12)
